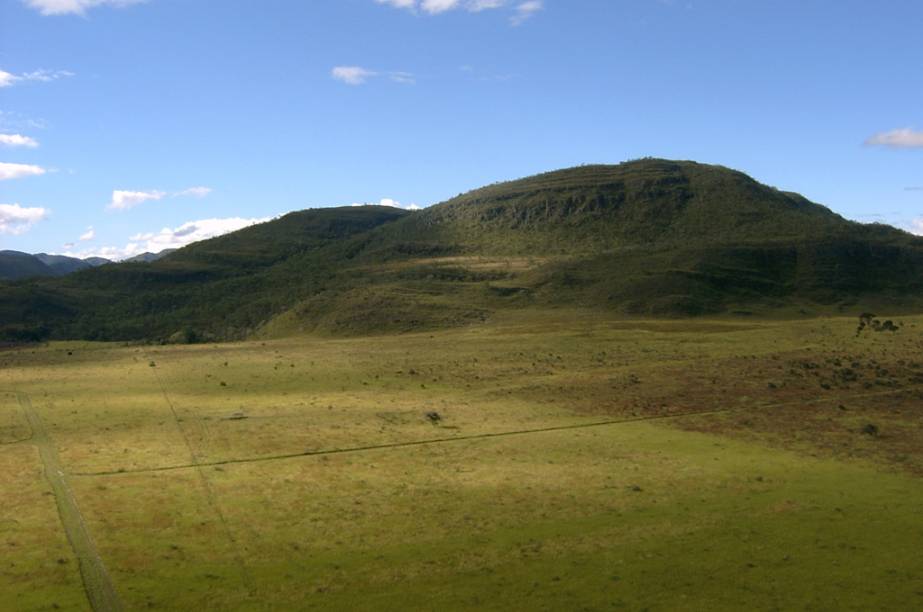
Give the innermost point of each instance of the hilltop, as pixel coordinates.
(648, 237)
(593, 209)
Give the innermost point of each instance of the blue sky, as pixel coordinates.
(127, 126)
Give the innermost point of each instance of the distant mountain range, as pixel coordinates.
(645, 238)
(15, 265)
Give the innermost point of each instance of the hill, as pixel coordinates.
(16, 265)
(593, 209)
(218, 288)
(149, 257)
(649, 237)
(62, 264)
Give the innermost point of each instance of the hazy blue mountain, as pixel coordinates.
(15, 265)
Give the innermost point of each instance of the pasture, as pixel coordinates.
(553, 460)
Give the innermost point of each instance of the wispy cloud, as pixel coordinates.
(916, 226)
(15, 171)
(168, 238)
(521, 10)
(15, 121)
(434, 7)
(357, 75)
(74, 7)
(526, 10)
(352, 75)
(405, 78)
(8, 79)
(17, 140)
(429, 6)
(193, 231)
(126, 200)
(905, 138)
(16, 219)
(195, 192)
(88, 235)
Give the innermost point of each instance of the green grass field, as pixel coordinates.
(577, 462)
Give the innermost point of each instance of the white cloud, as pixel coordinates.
(88, 235)
(352, 75)
(17, 140)
(916, 226)
(8, 79)
(434, 7)
(525, 10)
(15, 219)
(404, 78)
(73, 7)
(357, 75)
(389, 202)
(169, 238)
(190, 232)
(521, 10)
(14, 171)
(14, 121)
(476, 6)
(195, 192)
(124, 200)
(898, 139)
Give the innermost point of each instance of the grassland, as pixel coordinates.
(577, 462)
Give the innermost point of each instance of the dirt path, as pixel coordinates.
(24, 438)
(96, 581)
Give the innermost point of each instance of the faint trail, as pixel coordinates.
(31, 429)
(484, 436)
(206, 485)
(96, 581)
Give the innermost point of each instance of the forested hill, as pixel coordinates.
(649, 237)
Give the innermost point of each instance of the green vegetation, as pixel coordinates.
(578, 461)
(644, 238)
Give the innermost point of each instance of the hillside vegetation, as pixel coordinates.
(592, 209)
(649, 237)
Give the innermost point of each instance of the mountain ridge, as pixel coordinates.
(648, 237)
(16, 265)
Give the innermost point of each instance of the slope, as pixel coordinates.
(649, 237)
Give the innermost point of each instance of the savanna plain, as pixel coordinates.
(542, 460)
